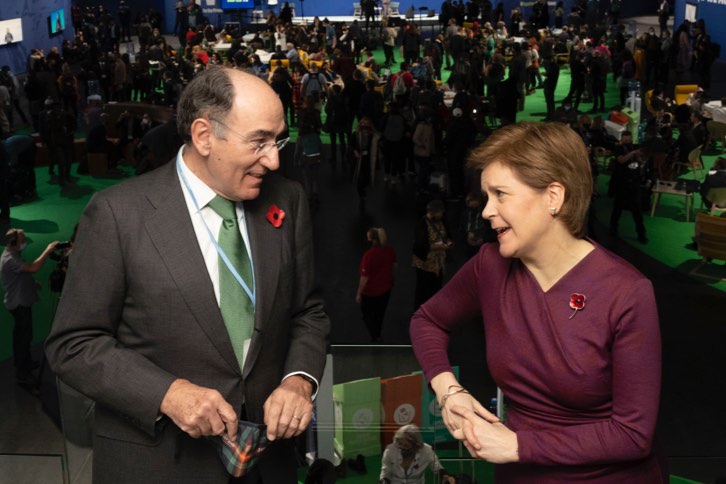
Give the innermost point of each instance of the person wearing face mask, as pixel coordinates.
(21, 292)
(572, 332)
(406, 460)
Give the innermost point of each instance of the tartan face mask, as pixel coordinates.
(240, 455)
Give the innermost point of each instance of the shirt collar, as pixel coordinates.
(202, 193)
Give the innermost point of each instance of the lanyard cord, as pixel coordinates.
(222, 255)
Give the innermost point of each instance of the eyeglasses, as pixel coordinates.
(261, 149)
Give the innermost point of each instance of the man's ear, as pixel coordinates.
(202, 136)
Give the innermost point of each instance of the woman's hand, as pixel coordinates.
(455, 422)
(490, 441)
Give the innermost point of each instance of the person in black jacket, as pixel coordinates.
(431, 242)
(625, 186)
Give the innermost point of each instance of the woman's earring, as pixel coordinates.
(553, 211)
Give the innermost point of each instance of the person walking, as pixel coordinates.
(376, 281)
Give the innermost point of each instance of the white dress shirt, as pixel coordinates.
(204, 217)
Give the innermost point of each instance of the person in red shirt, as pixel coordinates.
(376, 281)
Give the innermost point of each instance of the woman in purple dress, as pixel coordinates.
(571, 330)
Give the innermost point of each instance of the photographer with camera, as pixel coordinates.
(61, 254)
(21, 291)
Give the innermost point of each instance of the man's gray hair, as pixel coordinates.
(210, 94)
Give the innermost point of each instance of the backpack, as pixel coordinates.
(313, 86)
(419, 72)
(399, 86)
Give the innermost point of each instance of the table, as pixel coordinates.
(669, 188)
(717, 111)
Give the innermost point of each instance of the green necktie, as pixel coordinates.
(236, 307)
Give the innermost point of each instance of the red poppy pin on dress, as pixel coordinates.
(577, 302)
(275, 215)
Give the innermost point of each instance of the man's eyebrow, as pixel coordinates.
(260, 133)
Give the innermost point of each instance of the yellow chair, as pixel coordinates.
(275, 63)
(367, 72)
(681, 92)
(316, 63)
(710, 237)
(717, 197)
(695, 163)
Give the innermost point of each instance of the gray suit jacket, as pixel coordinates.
(138, 310)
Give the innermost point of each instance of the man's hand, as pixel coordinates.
(289, 409)
(199, 411)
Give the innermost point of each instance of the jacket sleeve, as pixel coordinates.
(82, 347)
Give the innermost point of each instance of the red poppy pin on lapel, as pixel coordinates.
(577, 302)
(275, 215)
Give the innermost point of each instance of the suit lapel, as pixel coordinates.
(266, 245)
(172, 233)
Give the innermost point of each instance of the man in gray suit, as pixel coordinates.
(142, 327)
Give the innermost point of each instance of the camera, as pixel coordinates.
(63, 245)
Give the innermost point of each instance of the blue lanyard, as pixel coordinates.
(222, 255)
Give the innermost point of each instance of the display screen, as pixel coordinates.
(691, 12)
(56, 21)
(11, 31)
(237, 4)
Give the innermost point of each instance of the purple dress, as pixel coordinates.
(583, 391)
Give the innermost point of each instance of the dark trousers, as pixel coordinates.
(549, 95)
(598, 96)
(337, 136)
(374, 310)
(395, 156)
(61, 155)
(390, 58)
(576, 89)
(22, 337)
(427, 284)
(631, 201)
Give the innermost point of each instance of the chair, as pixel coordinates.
(394, 9)
(357, 11)
(717, 133)
(275, 63)
(717, 197)
(710, 237)
(681, 92)
(648, 102)
(695, 163)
